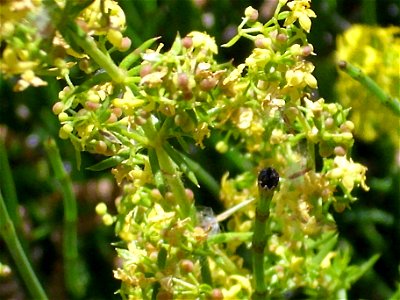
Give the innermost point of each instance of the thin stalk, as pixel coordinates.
(76, 37)
(8, 187)
(392, 103)
(8, 233)
(70, 240)
(168, 169)
(267, 182)
(227, 237)
(174, 181)
(103, 60)
(205, 268)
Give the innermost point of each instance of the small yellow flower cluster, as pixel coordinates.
(27, 26)
(159, 244)
(300, 10)
(348, 173)
(376, 51)
(132, 112)
(106, 18)
(21, 55)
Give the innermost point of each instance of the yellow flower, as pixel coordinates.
(12, 63)
(348, 173)
(28, 78)
(202, 131)
(300, 10)
(15, 10)
(326, 262)
(235, 75)
(301, 76)
(203, 41)
(243, 118)
(102, 16)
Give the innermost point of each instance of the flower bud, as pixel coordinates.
(125, 44)
(114, 37)
(307, 50)
(65, 131)
(101, 147)
(58, 107)
(251, 14)
(339, 151)
(156, 194)
(101, 208)
(187, 42)
(89, 105)
(347, 126)
(189, 194)
(107, 219)
(329, 123)
(112, 119)
(222, 147)
(62, 117)
(217, 294)
(208, 84)
(145, 70)
(281, 38)
(262, 42)
(187, 265)
(183, 80)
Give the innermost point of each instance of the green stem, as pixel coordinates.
(70, 241)
(88, 44)
(9, 235)
(205, 268)
(8, 186)
(267, 182)
(168, 169)
(174, 181)
(392, 103)
(227, 237)
(76, 37)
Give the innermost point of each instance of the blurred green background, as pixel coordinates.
(371, 226)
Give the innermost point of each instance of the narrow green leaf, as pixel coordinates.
(358, 271)
(177, 45)
(326, 248)
(107, 163)
(155, 168)
(283, 15)
(180, 161)
(130, 59)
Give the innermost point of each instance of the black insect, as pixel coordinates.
(268, 178)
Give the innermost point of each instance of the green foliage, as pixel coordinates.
(150, 114)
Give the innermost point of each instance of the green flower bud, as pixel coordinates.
(101, 208)
(222, 147)
(115, 37)
(107, 219)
